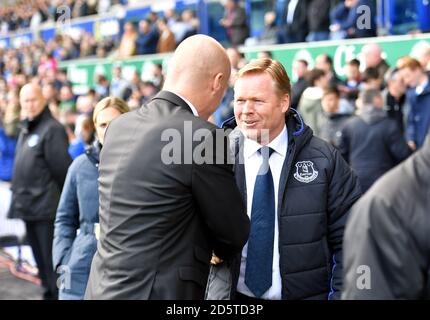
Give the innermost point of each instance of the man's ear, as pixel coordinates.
(285, 102)
(218, 82)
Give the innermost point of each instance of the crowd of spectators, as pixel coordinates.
(299, 21)
(324, 100)
(31, 13)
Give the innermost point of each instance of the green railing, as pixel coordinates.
(82, 72)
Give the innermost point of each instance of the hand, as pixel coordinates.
(224, 23)
(335, 27)
(412, 145)
(215, 260)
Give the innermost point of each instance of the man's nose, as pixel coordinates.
(248, 107)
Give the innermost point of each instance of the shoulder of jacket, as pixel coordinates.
(318, 147)
(54, 125)
(79, 162)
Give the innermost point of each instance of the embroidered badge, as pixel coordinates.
(33, 140)
(305, 172)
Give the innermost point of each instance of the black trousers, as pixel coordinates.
(40, 235)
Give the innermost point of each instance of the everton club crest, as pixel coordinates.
(305, 171)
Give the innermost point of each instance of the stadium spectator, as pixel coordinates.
(371, 142)
(325, 62)
(318, 20)
(300, 69)
(350, 87)
(9, 129)
(395, 102)
(40, 167)
(236, 58)
(67, 99)
(294, 26)
(235, 22)
(87, 46)
(371, 79)
(332, 121)
(127, 46)
(270, 32)
(154, 73)
(101, 86)
(187, 26)
(347, 23)
(171, 17)
(372, 56)
(264, 54)
(166, 42)
(118, 85)
(421, 52)
(147, 39)
(418, 96)
(83, 136)
(225, 109)
(148, 90)
(310, 102)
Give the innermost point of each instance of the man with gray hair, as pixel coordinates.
(371, 142)
(395, 103)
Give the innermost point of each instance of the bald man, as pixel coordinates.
(163, 209)
(40, 168)
(372, 55)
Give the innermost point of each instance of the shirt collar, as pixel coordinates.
(193, 109)
(420, 88)
(279, 144)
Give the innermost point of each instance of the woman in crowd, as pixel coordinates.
(75, 241)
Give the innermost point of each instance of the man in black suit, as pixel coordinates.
(235, 23)
(295, 22)
(163, 211)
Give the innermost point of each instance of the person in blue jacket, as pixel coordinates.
(418, 97)
(353, 19)
(75, 240)
(7, 155)
(9, 129)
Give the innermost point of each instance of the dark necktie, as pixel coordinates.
(258, 275)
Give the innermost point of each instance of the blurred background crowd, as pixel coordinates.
(317, 93)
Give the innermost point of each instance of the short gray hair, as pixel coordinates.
(367, 96)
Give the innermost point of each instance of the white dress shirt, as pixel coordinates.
(292, 5)
(252, 161)
(193, 109)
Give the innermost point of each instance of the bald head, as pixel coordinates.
(31, 100)
(199, 71)
(372, 55)
(421, 52)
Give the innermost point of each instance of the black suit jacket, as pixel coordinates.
(160, 222)
(299, 26)
(239, 28)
